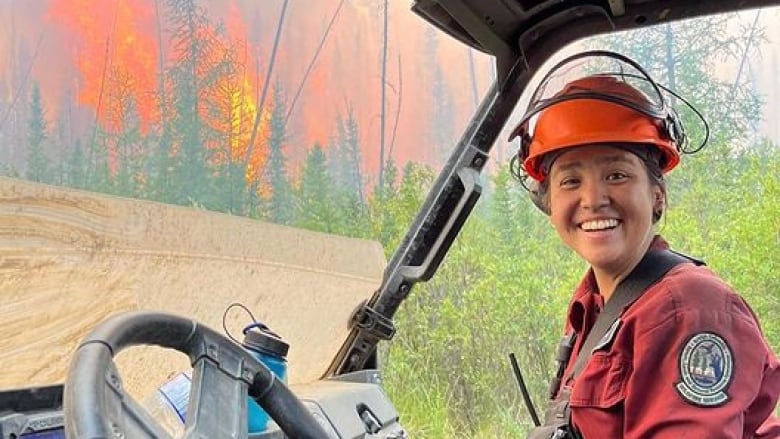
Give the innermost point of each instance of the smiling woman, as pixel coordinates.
(661, 346)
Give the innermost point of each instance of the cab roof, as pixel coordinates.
(522, 34)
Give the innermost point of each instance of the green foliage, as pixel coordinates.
(279, 204)
(37, 161)
(195, 41)
(345, 160)
(496, 292)
(393, 210)
(130, 147)
(315, 209)
(729, 217)
(75, 169)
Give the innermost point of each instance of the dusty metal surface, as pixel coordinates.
(68, 259)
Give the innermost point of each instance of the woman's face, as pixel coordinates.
(601, 204)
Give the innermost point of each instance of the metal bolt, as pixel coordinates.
(115, 382)
(116, 432)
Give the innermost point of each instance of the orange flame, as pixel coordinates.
(114, 49)
(115, 54)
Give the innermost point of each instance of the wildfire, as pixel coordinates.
(115, 52)
(121, 59)
(112, 60)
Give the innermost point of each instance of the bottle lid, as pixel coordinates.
(259, 337)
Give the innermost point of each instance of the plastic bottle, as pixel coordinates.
(268, 348)
(168, 404)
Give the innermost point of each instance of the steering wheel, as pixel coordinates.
(97, 406)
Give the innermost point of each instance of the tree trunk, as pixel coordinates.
(397, 113)
(382, 103)
(744, 59)
(313, 60)
(261, 102)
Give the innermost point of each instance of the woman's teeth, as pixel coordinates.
(604, 224)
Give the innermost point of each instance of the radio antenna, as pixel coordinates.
(524, 390)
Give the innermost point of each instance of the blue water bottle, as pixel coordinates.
(268, 348)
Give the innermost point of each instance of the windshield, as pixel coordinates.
(271, 115)
(232, 136)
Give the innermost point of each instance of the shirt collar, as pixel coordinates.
(587, 300)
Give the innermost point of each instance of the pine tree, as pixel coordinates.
(345, 157)
(98, 176)
(193, 39)
(62, 144)
(280, 202)
(123, 137)
(131, 152)
(344, 164)
(230, 126)
(336, 158)
(37, 162)
(316, 210)
(352, 158)
(75, 168)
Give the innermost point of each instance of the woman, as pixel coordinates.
(684, 355)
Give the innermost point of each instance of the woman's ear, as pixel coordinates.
(659, 202)
(659, 194)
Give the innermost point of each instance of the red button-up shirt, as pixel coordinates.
(687, 361)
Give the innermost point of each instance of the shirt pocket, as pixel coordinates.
(602, 383)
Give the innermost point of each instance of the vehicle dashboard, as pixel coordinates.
(350, 406)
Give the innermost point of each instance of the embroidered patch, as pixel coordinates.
(706, 368)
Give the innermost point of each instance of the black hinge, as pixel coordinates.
(373, 322)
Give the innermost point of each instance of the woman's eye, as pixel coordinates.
(569, 182)
(617, 176)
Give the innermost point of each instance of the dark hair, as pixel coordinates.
(649, 154)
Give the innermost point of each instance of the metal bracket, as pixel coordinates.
(373, 322)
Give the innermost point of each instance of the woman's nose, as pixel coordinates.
(594, 195)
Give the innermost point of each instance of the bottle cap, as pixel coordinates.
(260, 338)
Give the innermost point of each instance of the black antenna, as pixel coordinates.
(524, 390)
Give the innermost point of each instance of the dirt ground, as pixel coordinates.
(70, 259)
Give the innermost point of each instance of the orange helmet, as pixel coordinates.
(596, 109)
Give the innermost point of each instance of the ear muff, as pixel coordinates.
(538, 195)
(674, 128)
